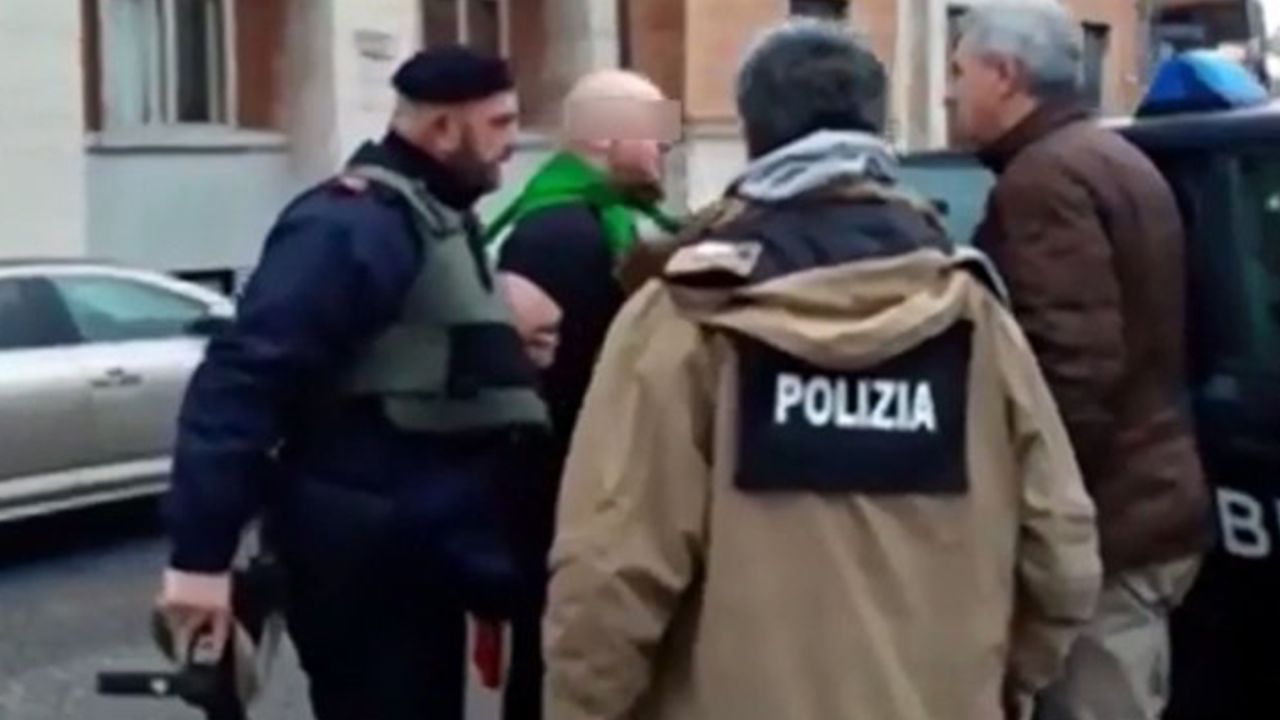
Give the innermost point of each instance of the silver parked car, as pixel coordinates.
(94, 362)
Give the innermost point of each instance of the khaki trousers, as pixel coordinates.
(1119, 667)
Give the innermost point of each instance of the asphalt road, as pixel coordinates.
(75, 593)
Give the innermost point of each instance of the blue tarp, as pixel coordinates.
(1201, 80)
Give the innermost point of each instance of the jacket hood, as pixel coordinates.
(818, 160)
(844, 316)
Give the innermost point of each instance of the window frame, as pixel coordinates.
(107, 134)
(462, 30)
(1102, 31)
(503, 17)
(837, 10)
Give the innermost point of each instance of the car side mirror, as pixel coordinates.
(208, 325)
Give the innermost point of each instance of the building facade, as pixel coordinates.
(169, 133)
(692, 46)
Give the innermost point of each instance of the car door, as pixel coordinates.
(45, 403)
(140, 353)
(1225, 651)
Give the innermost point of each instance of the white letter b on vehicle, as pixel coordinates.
(1244, 532)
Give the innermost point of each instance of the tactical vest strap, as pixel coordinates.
(415, 193)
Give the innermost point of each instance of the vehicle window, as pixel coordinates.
(31, 316)
(1259, 258)
(115, 310)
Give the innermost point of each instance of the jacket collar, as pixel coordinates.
(397, 154)
(1044, 120)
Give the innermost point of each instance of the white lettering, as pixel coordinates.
(819, 402)
(847, 418)
(1243, 531)
(789, 394)
(884, 405)
(880, 419)
(922, 409)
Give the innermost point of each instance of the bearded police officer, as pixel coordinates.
(365, 399)
(818, 474)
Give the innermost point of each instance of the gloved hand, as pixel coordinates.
(486, 652)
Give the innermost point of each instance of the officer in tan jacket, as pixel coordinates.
(818, 475)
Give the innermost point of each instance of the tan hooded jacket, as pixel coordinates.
(682, 588)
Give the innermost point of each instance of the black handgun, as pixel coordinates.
(203, 687)
(256, 594)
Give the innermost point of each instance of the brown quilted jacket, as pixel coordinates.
(1088, 237)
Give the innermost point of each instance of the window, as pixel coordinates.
(31, 316)
(1097, 38)
(167, 63)
(113, 310)
(514, 29)
(1259, 254)
(625, 53)
(955, 26)
(829, 9)
(477, 23)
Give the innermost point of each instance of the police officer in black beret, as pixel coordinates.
(364, 403)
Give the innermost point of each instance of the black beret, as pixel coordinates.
(452, 74)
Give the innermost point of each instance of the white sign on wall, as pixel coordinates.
(376, 54)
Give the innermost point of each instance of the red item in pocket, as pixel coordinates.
(486, 653)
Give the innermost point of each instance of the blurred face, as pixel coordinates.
(477, 138)
(630, 136)
(636, 166)
(982, 90)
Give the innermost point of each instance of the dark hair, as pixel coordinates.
(804, 76)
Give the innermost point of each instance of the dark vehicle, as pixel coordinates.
(1180, 25)
(1225, 170)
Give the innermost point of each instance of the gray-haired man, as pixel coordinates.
(1086, 232)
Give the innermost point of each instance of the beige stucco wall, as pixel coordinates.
(1124, 81)
(717, 34)
(42, 176)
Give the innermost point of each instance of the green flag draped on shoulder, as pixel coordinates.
(565, 178)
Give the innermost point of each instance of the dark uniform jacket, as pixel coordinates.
(262, 426)
(563, 250)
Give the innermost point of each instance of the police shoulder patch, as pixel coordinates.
(353, 184)
(895, 429)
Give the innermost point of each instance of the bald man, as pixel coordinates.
(565, 237)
